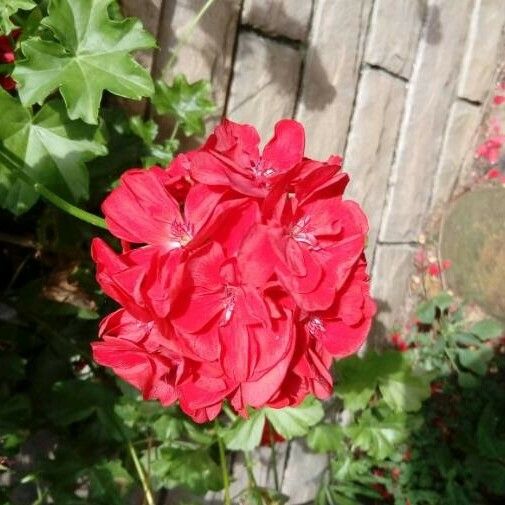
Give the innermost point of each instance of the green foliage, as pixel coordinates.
(391, 373)
(53, 147)
(90, 53)
(10, 7)
(188, 103)
(293, 422)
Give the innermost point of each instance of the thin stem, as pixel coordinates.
(175, 130)
(142, 476)
(51, 197)
(186, 34)
(250, 472)
(224, 467)
(274, 461)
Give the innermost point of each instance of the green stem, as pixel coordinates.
(142, 476)
(175, 130)
(274, 462)
(47, 194)
(186, 34)
(224, 467)
(250, 473)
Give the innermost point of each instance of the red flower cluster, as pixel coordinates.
(8, 57)
(242, 274)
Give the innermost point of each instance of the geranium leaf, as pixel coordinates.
(295, 421)
(325, 438)
(90, 55)
(404, 391)
(379, 438)
(475, 360)
(8, 8)
(245, 434)
(53, 147)
(487, 329)
(188, 103)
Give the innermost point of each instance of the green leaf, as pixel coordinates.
(53, 148)
(402, 389)
(8, 8)
(190, 104)
(475, 360)
(194, 469)
(108, 482)
(295, 421)
(75, 400)
(154, 154)
(90, 55)
(427, 311)
(325, 438)
(379, 438)
(405, 391)
(488, 329)
(245, 434)
(467, 380)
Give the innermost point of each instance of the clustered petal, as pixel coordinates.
(242, 275)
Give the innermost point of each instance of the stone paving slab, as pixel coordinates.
(289, 18)
(394, 35)
(431, 93)
(265, 82)
(485, 46)
(372, 142)
(332, 69)
(458, 149)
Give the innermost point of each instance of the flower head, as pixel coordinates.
(242, 275)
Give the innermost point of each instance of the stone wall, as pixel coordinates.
(396, 86)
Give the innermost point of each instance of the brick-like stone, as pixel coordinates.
(392, 268)
(394, 34)
(302, 476)
(485, 46)
(371, 144)
(265, 82)
(430, 95)
(458, 149)
(207, 54)
(289, 18)
(332, 69)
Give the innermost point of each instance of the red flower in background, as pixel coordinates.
(242, 275)
(7, 56)
(435, 269)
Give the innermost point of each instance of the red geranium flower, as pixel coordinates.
(7, 56)
(241, 277)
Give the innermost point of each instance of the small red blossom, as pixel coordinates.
(491, 149)
(436, 268)
(407, 455)
(499, 98)
(241, 277)
(398, 342)
(495, 174)
(7, 56)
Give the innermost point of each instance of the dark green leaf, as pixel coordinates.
(53, 147)
(91, 55)
(188, 103)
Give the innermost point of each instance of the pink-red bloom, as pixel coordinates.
(7, 57)
(242, 275)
